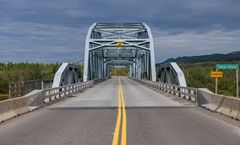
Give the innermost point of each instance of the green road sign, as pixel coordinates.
(226, 66)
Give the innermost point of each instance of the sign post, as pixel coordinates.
(216, 85)
(229, 67)
(216, 75)
(237, 81)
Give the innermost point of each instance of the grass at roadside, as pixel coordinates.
(3, 96)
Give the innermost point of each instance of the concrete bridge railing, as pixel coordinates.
(226, 105)
(184, 92)
(55, 94)
(38, 98)
(52, 95)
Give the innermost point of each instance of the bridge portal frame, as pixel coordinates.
(123, 33)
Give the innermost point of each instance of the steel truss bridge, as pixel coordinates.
(125, 44)
(119, 44)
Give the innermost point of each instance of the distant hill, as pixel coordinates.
(213, 57)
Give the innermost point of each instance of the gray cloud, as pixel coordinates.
(54, 30)
(30, 42)
(191, 43)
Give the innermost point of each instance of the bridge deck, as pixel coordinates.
(106, 95)
(89, 119)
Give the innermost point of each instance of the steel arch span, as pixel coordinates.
(124, 44)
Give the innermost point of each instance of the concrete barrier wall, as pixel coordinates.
(229, 106)
(203, 96)
(13, 107)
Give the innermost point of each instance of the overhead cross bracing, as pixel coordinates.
(124, 44)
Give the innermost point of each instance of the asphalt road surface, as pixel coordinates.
(90, 118)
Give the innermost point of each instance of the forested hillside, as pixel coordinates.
(198, 75)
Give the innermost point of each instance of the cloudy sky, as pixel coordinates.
(55, 30)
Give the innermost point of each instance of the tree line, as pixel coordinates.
(119, 71)
(13, 72)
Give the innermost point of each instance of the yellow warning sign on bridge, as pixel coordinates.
(119, 43)
(216, 74)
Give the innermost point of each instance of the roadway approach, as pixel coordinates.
(120, 111)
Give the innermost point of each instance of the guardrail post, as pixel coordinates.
(42, 83)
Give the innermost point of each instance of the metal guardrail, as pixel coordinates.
(36, 85)
(187, 93)
(15, 90)
(63, 91)
(18, 89)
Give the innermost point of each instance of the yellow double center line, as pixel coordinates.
(121, 115)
